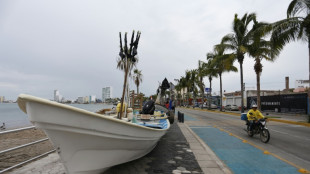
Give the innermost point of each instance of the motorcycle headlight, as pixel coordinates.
(263, 123)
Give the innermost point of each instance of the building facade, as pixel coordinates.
(107, 93)
(57, 96)
(92, 99)
(302, 84)
(2, 99)
(80, 100)
(234, 98)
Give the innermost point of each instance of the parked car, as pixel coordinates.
(196, 105)
(234, 108)
(213, 106)
(205, 105)
(227, 107)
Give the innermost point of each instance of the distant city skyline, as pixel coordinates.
(57, 96)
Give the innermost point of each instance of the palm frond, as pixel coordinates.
(298, 6)
(284, 31)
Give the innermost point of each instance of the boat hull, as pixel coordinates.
(88, 142)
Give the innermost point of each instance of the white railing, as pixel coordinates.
(22, 146)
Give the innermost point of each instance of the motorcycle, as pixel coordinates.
(259, 127)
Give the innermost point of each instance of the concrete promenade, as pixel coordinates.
(179, 151)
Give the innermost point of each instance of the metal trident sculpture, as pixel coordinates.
(129, 54)
(128, 57)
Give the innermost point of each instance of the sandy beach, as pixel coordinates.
(11, 140)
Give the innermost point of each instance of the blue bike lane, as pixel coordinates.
(239, 156)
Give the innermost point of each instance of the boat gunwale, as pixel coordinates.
(24, 98)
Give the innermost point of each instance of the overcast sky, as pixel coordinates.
(72, 45)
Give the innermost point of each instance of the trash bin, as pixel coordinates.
(182, 117)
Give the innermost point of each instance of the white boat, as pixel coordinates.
(88, 142)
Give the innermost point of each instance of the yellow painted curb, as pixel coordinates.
(266, 152)
(303, 171)
(290, 122)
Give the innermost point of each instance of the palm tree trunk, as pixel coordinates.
(210, 101)
(221, 96)
(258, 90)
(258, 70)
(124, 89)
(202, 92)
(241, 77)
(309, 81)
(187, 92)
(137, 89)
(203, 96)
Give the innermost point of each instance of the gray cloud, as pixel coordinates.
(72, 45)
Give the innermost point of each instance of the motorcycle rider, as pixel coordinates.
(253, 116)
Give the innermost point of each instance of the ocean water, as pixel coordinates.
(13, 117)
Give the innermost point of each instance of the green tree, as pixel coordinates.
(127, 61)
(194, 81)
(183, 85)
(201, 73)
(211, 72)
(137, 77)
(260, 49)
(188, 84)
(222, 63)
(238, 41)
(178, 88)
(295, 27)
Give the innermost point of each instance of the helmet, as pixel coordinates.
(254, 106)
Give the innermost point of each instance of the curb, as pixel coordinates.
(221, 166)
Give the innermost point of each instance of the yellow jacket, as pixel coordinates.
(256, 115)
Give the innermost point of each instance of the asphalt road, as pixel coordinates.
(290, 143)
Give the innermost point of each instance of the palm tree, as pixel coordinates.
(211, 72)
(238, 41)
(137, 77)
(223, 63)
(260, 49)
(201, 73)
(193, 81)
(178, 88)
(295, 27)
(187, 82)
(183, 85)
(127, 61)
